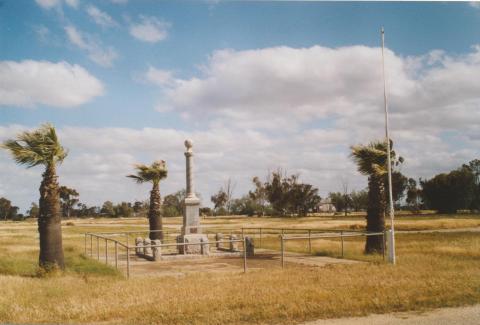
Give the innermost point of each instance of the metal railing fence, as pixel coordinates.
(119, 245)
(342, 234)
(284, 234)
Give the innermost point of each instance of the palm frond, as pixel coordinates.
(372, 158)
(38, 147)
(138, 179)
(153, 173)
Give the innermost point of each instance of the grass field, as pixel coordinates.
(433, 270)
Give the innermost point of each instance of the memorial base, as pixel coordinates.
(191, 217)
(201, 246)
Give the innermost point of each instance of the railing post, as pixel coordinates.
(106, 251)
(126, 238)
(128, 263)
(341, 236)
(310, 241)
(242, 233)
(85, 244)
(383, 244)
(91, 245)
(283, 251)
(260, 245)
(98, 249)
(116, 254)
(244, 255)
(184, 247)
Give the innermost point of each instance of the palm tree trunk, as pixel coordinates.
(375, 214)
(49, 221)
(155, 213)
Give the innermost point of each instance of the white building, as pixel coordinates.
(326, 206)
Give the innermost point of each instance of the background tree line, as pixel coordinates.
(282, 195)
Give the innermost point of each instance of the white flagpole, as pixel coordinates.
(391, 235)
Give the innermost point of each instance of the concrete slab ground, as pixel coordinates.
(218, 263)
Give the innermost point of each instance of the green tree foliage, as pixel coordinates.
(41, 147)
(244, 206)
(340, 200)
(399, 185)
(288, 196)
(140, 208)
(173, 204)
(68, 198)
(220, 199)
(7, 210)
(413, 195)
(123, 210)
(206, 211)
(108, 209)
(474, 167)
(33, 211)
(277, 190)
(450, 192)
(259, 196)
(84, 211)
(371, 161)
(153, 174)
(303, 198)
(359, 200)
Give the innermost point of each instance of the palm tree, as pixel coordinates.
(154, 173)
(41, 147)
(371, 161)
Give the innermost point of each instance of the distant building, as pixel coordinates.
(326, 206)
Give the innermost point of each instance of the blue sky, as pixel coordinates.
(257, 85)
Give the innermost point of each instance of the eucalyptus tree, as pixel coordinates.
(68, 197)
(154, 174)
(42, 147)
(371, 161)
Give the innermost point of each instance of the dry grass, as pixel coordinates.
(433, 270)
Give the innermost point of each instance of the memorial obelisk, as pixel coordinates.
(191, 231)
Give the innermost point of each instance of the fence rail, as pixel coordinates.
(342, 234)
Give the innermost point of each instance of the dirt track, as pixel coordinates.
(445, 316)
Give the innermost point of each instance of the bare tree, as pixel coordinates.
(229, 187)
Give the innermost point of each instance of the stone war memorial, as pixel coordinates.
(191, 230)
(190, 241)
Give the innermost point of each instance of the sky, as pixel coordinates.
(257, 86)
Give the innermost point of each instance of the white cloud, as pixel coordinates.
(96, 52)
(286, 87)
(72, 3)
(475, 4)
(119, 1)
(100, 17)
(29, 83)
(49, 4)
(150, 29)
(159, 77)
